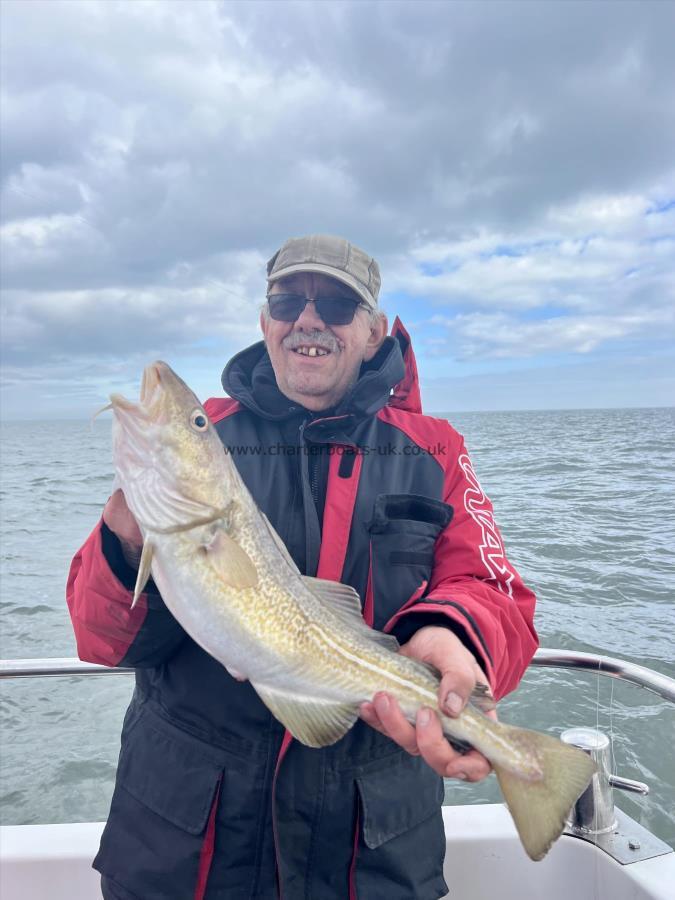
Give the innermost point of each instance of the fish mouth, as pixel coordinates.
(153, 384)
(158, 381)
(152, 378)
(160, 385)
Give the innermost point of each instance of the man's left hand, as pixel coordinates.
(459, 674)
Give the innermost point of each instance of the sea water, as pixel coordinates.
(584, 500)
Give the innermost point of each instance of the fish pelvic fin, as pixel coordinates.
(143, 570)
(315, 723)
(539, 806)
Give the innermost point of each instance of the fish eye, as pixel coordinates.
(199, 421)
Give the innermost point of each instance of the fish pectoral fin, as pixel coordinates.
(143, 570)
(540, 806)
(346, 603)
(234, 566)
(316, 723)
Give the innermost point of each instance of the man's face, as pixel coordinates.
(322, 380)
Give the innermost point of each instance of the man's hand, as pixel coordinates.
(459, 674)
(117, 516)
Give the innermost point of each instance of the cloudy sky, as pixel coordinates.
(511, 166)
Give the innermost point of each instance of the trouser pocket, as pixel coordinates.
(401, 841)
(167, 784)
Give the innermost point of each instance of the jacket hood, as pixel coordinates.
(390, 377)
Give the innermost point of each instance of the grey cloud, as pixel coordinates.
(592, 79)
(381, 120)
(154, 154)
(38, 191)
(503, 337)
(50, 326)
(54, 391)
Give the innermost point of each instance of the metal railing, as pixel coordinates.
(557, 659)
(64, 665)
(608, 665)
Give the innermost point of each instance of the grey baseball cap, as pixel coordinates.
(328, 255)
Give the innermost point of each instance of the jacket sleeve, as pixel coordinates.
(99, 594)
(474, 589)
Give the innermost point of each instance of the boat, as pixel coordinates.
(603, 853)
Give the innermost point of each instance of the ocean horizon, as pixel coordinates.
(441, 414)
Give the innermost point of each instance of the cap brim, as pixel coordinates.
(322, 269)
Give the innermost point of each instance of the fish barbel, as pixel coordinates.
(227, 577)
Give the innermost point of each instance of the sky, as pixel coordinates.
(510, 165)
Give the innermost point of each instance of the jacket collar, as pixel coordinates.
(390, 377)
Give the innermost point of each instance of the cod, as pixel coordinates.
(227, 577)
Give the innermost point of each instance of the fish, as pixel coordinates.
(227, 577)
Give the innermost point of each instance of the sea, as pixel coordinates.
(585, 504)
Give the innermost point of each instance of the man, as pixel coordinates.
(213, 799)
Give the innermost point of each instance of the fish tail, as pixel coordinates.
(540, 803)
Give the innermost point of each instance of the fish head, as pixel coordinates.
(168, 458)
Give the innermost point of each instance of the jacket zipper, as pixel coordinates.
(314, 467)
(312, 527)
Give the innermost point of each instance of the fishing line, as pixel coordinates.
(611, 726)
(596, 857)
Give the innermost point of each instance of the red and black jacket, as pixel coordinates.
(212, 798)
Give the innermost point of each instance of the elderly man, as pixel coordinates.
(213, 799)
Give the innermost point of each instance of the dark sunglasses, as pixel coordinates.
(333, 310)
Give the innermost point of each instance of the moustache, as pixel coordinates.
(323, 339)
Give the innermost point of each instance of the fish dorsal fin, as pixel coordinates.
(316, 723)
(481, 697)
(233, 565)
(143, 570)
(340, 597)
(281, 547)
(345, 602)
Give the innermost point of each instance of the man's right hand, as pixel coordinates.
(117, 516)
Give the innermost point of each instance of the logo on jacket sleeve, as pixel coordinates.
(492, 550)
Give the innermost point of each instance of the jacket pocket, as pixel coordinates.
(167, 784)
(401, 841)
(403, 532)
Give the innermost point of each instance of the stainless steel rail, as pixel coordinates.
(557, 659)
(66, 665)
(610, 666)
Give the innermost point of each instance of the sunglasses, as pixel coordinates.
(333, 310)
